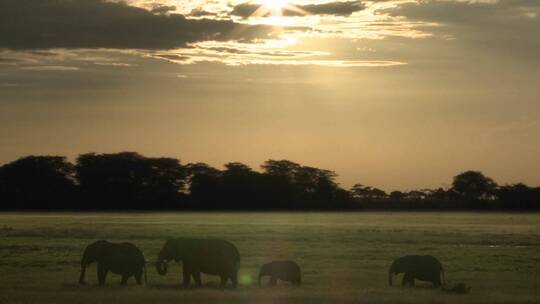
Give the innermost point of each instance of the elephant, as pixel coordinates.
(119, 258)
(283, 270)
(208, 256)
(419, 267)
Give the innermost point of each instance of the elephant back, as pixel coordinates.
(284, 270)
(212, 256)
(428, 268)
(123, 258)
(429, 262)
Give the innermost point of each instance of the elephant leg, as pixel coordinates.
(197, 278)
(234, 279)
(223, 280)
(273, 281)
(102, 274)
(407, 279)
(125, 278)
(187, 276)
(436, 282)
(138, 278)
(404, 280)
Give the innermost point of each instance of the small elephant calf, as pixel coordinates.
(417, 267)
(283, 270)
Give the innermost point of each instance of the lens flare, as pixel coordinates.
(246, 280)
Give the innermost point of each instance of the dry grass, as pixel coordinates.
(344, 257)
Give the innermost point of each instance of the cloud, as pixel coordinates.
(324, 63)
(467, 12)
(240, 54)
(162, 9)
(505, 26)
(200, 12)
(113, 64)
(46, 24)
(49, 68)
(330, 8)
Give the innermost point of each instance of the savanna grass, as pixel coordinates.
(344, 256)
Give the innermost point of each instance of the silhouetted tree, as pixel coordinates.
(519, 197)
(241, 187)
(438, 194)
(285, 169)
(280, 184)
(129, 180)
(38, 182)
(362, 192)
(474, 185)
(317, 187)
(204, 183)
(397, 195)
(165, 181)
(474, 189)
(415, 195)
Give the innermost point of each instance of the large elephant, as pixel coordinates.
(419, 267)
(283, 270)
(119, 258)
(209, 256)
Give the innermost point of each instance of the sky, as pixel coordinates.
(397, 94)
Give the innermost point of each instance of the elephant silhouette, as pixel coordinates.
(417, 267)
(208, 256)
(120, 258)
(283, 270)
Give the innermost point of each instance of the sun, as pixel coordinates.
(276, 8)
(275, 5)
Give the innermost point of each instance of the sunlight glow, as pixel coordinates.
(276, 5)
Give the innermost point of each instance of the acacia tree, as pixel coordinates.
(281, 168)
(129, 180)
(519, 196)
(38, 182)
(241, 186)
(362, 192)
(204, 186)
(280, 184)
(473, 185)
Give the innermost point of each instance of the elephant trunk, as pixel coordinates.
(161, 267)
(145, 276)
(261, 273)
(443, 278)
(83, 271)
(390, 277)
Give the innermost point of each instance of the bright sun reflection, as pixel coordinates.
(275, 4)
(275, 9)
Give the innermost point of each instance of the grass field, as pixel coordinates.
(344, 256)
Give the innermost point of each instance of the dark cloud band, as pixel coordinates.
(45, 24)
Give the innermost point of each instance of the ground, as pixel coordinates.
(344, 256)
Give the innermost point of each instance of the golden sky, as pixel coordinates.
(393, 94)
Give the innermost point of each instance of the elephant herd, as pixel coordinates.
(221, 258)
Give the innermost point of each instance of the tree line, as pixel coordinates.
(130, 181)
